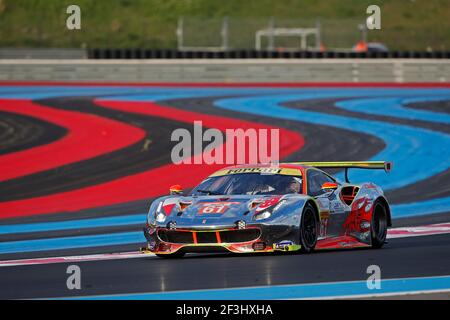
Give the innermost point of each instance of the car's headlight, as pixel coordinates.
(278, 205)
(160, 217)
(263, 215)
(157, 213)
(268, 212)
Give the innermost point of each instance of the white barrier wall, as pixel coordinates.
(229, 70)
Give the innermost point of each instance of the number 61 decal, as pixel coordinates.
(215, 207)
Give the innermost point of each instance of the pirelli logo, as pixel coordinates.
(255, 170)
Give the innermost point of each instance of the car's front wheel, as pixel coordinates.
(308, 229)
(378, 227)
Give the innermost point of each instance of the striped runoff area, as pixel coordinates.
(92, 157)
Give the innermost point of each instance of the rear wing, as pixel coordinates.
(385, 165)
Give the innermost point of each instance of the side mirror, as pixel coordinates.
(176, 189)
(329, 186)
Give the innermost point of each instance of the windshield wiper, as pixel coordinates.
(209, 192)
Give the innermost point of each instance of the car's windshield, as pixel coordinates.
(249, 184)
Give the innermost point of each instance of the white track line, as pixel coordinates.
(402, 294)
(404, 232)
(71, 259)
(433, 229)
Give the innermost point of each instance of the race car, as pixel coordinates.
(257, 209)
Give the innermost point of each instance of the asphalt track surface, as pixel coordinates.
(69, 198)
(401, 258)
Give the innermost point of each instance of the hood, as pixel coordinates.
(213, 211)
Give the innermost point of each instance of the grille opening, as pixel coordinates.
(233, 236)
(175, 236)
(229, 236)
(206, 237)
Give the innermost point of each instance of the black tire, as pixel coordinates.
(308, 229)
(379, 225)
(172, 255)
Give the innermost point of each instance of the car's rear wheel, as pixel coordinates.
(378, 227)
(308, 229)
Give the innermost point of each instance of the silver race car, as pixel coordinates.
(253, 209)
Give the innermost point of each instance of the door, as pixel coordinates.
(332, 211)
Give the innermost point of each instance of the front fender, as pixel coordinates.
(291, 212)
(152, 209)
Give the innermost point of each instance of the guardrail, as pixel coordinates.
(228, 70)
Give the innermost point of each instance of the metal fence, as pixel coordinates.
(266, 34)
(188, 33)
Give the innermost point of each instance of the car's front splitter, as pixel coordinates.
(270, 239)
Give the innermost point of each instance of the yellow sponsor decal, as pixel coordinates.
(260, 170)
